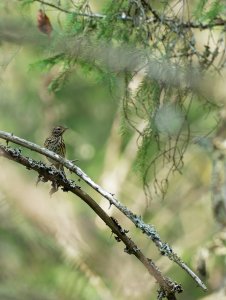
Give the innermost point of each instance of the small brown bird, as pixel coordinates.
(56, 144)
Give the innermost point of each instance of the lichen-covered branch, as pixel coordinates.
(147, 229)
(50, 173)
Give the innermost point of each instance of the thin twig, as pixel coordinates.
(82, 14)
(50, 173)
(174, 21)
(147, 229)
(157, 18)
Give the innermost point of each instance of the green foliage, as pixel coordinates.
(200, 8)
(74, 24)
(47, 63)
(216, 8)
(147, 96)
(113, 9)
(209, 10)
(145, 154)
(59, 81)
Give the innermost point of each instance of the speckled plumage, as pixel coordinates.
(55, 143)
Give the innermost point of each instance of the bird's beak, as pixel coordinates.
(66, 128)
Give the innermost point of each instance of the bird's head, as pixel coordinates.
(59, 130)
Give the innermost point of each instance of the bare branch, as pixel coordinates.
(54, 6)
(147, 229)
(175, 21)
(50, 173)
(157, 18)
(83, 14)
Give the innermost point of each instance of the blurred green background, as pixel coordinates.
(55, 248)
